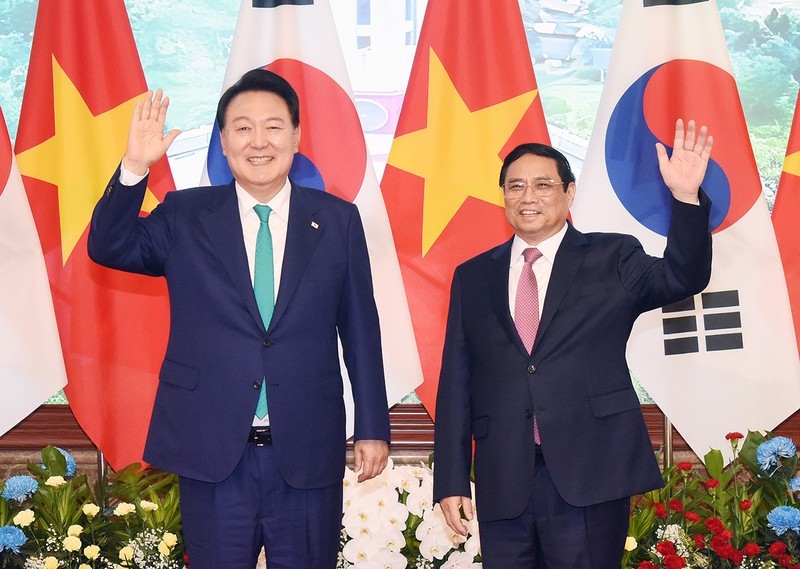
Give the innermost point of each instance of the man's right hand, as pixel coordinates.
(451, 508)
(147, 143)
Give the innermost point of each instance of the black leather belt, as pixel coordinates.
(261, 436)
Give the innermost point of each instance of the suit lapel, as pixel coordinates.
(501, 258)
(568, 260)
(303, 234)
(223, 226)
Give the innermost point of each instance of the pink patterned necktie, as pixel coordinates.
(526, 309)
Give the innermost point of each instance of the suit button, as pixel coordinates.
(531, 368)
(256, 385)
(267, 343)
(528, 413)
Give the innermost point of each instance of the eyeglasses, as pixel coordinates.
(541, 188)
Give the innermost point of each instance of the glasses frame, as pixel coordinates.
(516, 193)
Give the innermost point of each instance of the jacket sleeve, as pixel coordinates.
(360, 334)
(120, 239)
(685, 268)
(453, 426)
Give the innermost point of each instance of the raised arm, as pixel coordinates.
(147, 142)
(685, 169)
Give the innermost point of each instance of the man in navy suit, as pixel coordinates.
(534, 368)
(248, 479)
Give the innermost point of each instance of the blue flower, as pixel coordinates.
(783, 519)
(72, 468)
(794, 484)
(770, 452)
(19, 488)
(11, 538)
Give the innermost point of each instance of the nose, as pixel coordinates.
(260, 138)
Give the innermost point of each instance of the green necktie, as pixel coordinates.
(264, 286)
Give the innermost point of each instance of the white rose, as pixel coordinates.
(91, 510)
(126, 553)
(170, 539)
(91, 552)
(163, 549)
(24, 518)
(148, 506)
(630, 543)
(72, 543)
(50, 562)
(75, 530)
(55, 481)
(124, 508)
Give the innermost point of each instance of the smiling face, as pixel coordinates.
(536, 218)
(259, 142)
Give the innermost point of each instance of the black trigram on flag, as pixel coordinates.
(717, 326)
(650, 3)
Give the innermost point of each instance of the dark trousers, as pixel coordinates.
(226, 524)
(551, 534)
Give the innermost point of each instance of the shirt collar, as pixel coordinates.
(279, 202)
(548, 248)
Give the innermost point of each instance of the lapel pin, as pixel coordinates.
(315, 225)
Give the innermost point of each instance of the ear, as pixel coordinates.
(570, 194)
(223, 138)
(296, 138)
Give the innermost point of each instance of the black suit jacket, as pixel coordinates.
(576, 381)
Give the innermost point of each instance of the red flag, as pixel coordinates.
(83, 79)
(785, 216)
(471, 98)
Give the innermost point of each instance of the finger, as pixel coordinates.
(170, 137)
(688, 143)
(162, 110)
(466, 505)
(706, 153)
(679, 134)
(661, 152)
(453, 517)
(700, 144)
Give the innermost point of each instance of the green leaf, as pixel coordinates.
(714, 463)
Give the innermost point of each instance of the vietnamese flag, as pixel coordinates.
(471, 98)
(83, 80)
(785, 216)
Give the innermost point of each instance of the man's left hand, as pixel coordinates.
(371, 458)
(685, 169)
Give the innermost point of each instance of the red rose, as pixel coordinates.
(715, 525)
(646, 565)
(659, 510)
(665, 548)
(674, 562)
(785, 560)
(777, 548)
(685, 466)
(745, 505)
(675, 505)
(751, 549)
(734, 436)
(712, 483)
(699, 541)
(691, 517)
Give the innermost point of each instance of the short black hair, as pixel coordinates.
(265, 81)
(564, 169)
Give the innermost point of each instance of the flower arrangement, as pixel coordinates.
(53, 519)
(745, 514)
(391, 522)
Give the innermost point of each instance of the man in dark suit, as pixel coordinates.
(534, 366)
(263, 275)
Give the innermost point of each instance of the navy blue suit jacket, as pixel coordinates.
(218, 349)
(576, 381)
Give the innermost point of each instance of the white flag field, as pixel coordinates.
(725, 360)
(300, 43)
(31, 364)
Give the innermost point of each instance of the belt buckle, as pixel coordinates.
(261, 437)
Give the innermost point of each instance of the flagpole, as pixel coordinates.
(102, 466)
(667, 442)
